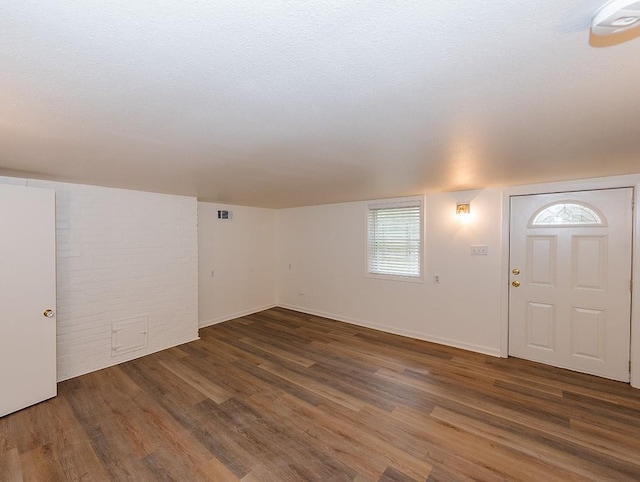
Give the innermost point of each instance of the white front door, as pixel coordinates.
(570, 275)
(27, 291)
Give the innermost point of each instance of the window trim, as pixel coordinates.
(396, 203)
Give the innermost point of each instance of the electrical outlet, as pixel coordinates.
(436, 279)
(479, 250)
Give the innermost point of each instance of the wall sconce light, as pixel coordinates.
(463, 208)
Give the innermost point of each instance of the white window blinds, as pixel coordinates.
(395, 240)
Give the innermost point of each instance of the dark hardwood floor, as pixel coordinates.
(282, 396)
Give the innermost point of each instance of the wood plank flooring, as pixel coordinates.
(283, 396)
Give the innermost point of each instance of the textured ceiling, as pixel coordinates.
(292, 103)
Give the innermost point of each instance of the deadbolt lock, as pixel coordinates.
(515, 271)
(515, 284)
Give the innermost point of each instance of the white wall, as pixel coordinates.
(121, 254)
(241, 254)
(325, 246)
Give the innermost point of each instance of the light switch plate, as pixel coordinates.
(479, 250)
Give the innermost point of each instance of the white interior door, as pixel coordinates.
(27, 290)
(570, 262)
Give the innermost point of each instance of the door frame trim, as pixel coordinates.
(628, 181)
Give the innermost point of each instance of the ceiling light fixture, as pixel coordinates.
(616, 16)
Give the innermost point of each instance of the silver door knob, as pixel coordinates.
(48, 313)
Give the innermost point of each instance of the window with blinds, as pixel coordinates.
(395, 239)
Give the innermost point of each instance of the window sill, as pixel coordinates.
(393, 277)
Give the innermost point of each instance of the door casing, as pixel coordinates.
(584, 304)
(632, 181)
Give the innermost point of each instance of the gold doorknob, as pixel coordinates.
(515, 271)
(515, 284)
(48, 313)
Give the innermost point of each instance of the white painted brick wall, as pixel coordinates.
(121, 254)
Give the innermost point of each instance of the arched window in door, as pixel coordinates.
(567, 213)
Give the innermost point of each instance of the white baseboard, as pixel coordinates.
(233, 316)
(408, 333)
(124, 359)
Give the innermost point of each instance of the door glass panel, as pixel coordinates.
(567, 214)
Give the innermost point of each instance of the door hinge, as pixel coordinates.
(631, 285)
